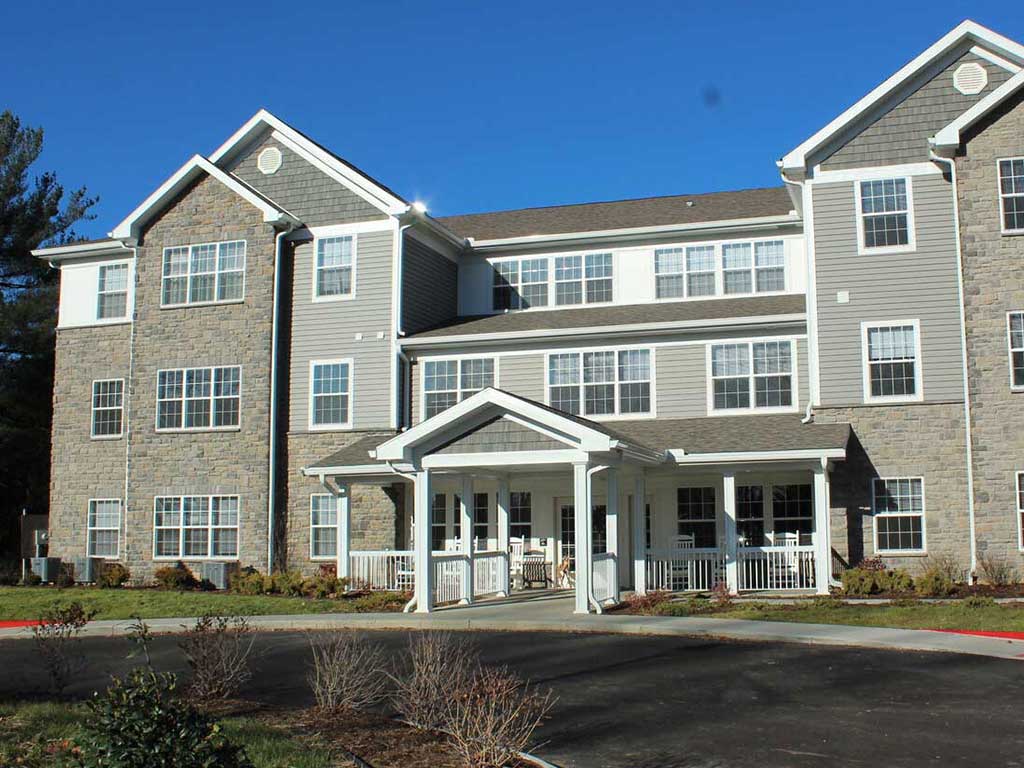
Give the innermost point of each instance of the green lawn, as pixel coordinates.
(26, 603)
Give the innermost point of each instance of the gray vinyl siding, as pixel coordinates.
(901, 134)
(304, 191)
(430, 287)
(501, 435)
(921, 285)
(681, 381)
(327, 330)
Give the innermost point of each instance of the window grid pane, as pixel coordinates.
(112, 292)
(323, 511)
(700, 270)
(1011, 193)
(604, 383)
(884, 213)
(334, 266)
(199, 527)
(892, 353)
(204, 273)
(330, 394)
(669, 271)
(695, 509)
(1015, 323)
(103, 527)
(107, 408)
(899, 514)
(520, 512)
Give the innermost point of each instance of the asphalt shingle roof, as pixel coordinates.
(356, 453)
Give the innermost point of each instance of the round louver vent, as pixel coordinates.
(269, 160)
(970, 78)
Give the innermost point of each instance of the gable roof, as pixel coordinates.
(966, 31)
(948, 139)
(197, 165)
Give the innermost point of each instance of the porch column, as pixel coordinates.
(422, 561)
(466, 537)
(822, 530)
(502, 503)
(639, 535)
(732, 572)
(343, 563)
(584, 545)
(611, 527)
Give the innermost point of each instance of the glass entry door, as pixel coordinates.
(567, 532)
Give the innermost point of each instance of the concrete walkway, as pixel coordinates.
(553, 613)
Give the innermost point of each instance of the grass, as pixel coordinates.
(27, 603)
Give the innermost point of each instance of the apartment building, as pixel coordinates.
(277, 361)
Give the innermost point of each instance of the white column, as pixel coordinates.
(732, 573)
(502, 503)
(639, 535)
(611, 528)
(822, 530)
(584, 545)
(423, 562)
(466, 534)
(344, 513)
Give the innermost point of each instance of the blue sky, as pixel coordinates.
(468, 106)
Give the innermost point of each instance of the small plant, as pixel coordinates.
(249, 581)
(57, 640)
(437, 668)
(860, 582)
(907, 601)
(141, 721)
(112, 576)
(649, 604)
(287, 583)
(978, 601)
(347, 672)
(997, 572)
(871, 564)
(217, 649)
(720, 595)
(140, 636)
(31, 579)
(934, 582)
(177, 577)
(948, 566)
(827, 602)
(898, 580)
(323, 586)
(380, 602)
(65, 576)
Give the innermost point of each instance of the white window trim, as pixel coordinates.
(1010, 350)
(337, 512)
(911, 246)
(552, 283)
(710, 381)
(580, 351)
(229, 428)
(126, 291)
(90, 529)
(918, 395)
(1002, 196)
(719, 269)
(216, 280)
(351, 395)
(327, 234)
(210, 529)
(92, 411)
(450, 358)
(923, 551)
(129, 302)
(1017, 476)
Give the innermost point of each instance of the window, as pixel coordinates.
(1011, 194)
(737, 262)
(696, 515)
(481, 520)
(892, 369)
(195, 527)
(199, 398)
(112, 292)
(437, 523)
(520, 513)
(603, 383)
(103, 526)
(323, 526)
(335, 267)
(201, 274)
(669, 277)
(583, 278)
(769, 266)
(750, 515)
(1015, 331)
(520, 284)
(447, 382)
(793, 509)
(330, 393)
(700, 270)
(899, 514)
(107, 407)
(1020, 507)
(886, 221)
(752, 375)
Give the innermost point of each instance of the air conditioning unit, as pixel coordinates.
(86, 569)
(46, 568)
(217, 574)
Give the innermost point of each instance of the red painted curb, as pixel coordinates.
(984, 633)
(18, 623)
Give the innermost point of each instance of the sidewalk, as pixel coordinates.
(554, 614)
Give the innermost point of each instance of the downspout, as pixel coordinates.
(963, 353)
(128, 401)
(397, 318)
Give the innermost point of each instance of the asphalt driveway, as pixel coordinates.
(664, 702)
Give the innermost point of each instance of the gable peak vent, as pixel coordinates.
(970, 78)
(269, 161)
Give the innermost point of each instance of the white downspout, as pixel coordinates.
(397, 319)
(274, 335)
(963, 352)
(126, 410)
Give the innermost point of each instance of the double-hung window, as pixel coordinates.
(892, 364)
(195, 527)
(520, 512)
(700, 270)
(752, 375)
(750, 514)
(103, 527)
(669, 273)
(769, 266)
(1015, 333)
(737, 263)
(1011, 194)
(202, 274)
(520, 284)
(446, 382)
(323, 526)
(108, 408)
(330, 394)
(601, 383)
(1020, 507)
(199, 398)
(335, 267)
(899, 514)
(112, 292)
(583, 278)
(886, 221)
(695, 508)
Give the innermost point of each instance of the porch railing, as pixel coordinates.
(687, 569)
(448, 577)
(487, 568)
(388, 570)
(768, 568)
(604, 576)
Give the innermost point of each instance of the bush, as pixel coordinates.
(649, 604)
(934, 582)
(140, 721)
(323, 585)
(287, 583)
(31, 579)
(176, 576)
(946, 565)
(692, 606)
(826, 602)
(437, 667)
(347, 672)
(896, 580)
(977, 601)
(997, 572)
(249, 581)
(859, 581)
(112, 576)
(57, 641)
(721, 596)
(380, 602)
(65, 576)
(217, 649)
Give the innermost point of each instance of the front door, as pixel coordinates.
(567, 532)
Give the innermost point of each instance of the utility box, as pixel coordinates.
(218, 574)
(86, 569)
(46, 568)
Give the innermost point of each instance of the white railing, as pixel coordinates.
(767, 568)
(390, 570)
(687, 569)
(487, 569)
(448, 577)
(604, 576)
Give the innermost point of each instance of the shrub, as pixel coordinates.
(859, 581)
(217, 649)
(998, 572)
(948, 566)
(323, 586)
(827, 602)
(380, 602)
(347, 672)
(692, 606)
(57, 642)
(112, 576)
(871, 564)
(437, 667)
(978, 601)
(176, 576)
(287, 583)
(140, 721)
(249, 581)
(898, 580)
(649, 604)
(934, 582)
(907, 601)
(721, 596)
(31, 579)
(65, 576)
